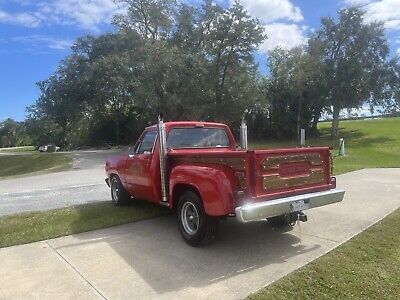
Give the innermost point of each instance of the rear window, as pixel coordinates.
(197, 138)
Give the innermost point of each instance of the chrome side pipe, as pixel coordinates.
(163, 160)
(243, 135)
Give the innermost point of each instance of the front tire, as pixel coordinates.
(119, 195)
(195, 226)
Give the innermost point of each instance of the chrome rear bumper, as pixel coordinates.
(276, 207)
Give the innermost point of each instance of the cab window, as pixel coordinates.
(193, 137)
(146, 144)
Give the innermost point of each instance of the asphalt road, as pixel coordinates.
(84, 183)
(149, 260)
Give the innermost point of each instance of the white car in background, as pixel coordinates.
(49, 148)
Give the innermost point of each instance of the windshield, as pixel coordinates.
(197, 138)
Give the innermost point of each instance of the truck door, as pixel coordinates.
(138, 179)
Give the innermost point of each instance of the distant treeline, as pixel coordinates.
(197, 62)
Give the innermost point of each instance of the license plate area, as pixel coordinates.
(300, 205)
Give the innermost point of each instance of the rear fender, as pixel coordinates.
(212, 183)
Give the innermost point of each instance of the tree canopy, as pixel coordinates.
(13, 134)
(197, 62)
(354, 55)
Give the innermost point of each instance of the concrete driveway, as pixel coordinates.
(84, 183)
(149, 260)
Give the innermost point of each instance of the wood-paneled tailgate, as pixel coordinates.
(290, 171)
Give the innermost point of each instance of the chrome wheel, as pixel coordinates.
(119, 195)
(115, 189)
(195, 225)
(190, 218)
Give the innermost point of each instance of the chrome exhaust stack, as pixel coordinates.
(163, 160)
(243, 135)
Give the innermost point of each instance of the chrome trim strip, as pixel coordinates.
(276, 207)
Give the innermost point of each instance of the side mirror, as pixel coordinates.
(131, 152)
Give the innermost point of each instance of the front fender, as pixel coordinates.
(116, 165)
(214, 185)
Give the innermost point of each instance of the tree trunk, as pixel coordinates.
(117, 128)
(335, 122)
(218, 100)
(117, 117)
(299, 118)
(314, 125)
(63, 142)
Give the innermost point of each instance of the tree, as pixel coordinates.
(354, 56)
(188, 62)
(229, 39)
(295, 90)
(388, 97)
(62, 98)
(13, 134)
(282, 95)
(152, 19)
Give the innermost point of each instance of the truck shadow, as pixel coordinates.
(155, 251)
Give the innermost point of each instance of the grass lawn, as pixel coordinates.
(17, 149)
(30, 227)
(366, 267)
(369, 143)
(13, 165)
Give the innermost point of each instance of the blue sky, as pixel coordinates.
(36, 34)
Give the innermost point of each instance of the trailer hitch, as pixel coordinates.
(302, 216)
(297, 216)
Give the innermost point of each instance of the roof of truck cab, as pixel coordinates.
(189, 124)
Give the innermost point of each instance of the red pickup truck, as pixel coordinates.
(197, 169)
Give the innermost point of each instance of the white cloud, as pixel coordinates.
(24, 19)
(271, 10)
(282, 22)
(387, 11)
(42, 41)
(87, 14)
(283, 35)
(357, 2)
(398, 51)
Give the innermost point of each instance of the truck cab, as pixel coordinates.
(197, 169)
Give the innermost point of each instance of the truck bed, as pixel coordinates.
(266, 174)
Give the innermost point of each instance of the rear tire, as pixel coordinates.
(119, 195)
(195, 226)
